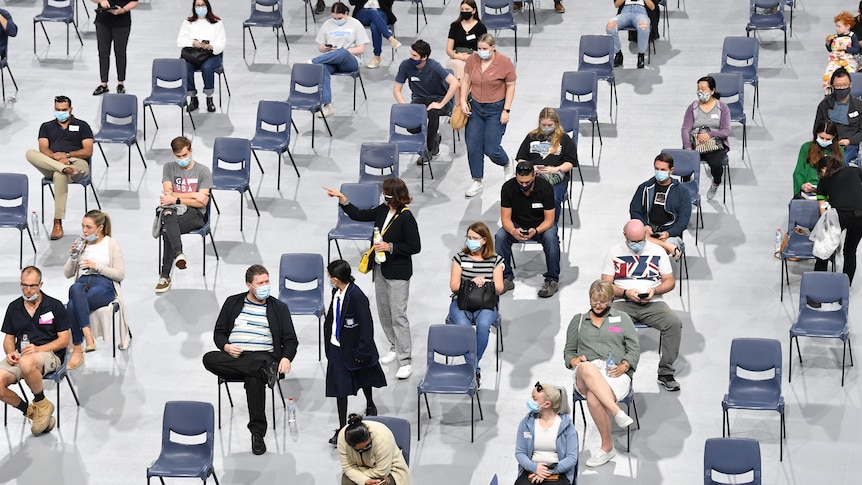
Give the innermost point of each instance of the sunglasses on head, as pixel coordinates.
(539, 387)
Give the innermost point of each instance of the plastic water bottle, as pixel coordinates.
(779, 238)
(379, 256)
(291, 411)
(25, 341)
(77, 248)
(34, 223)
(610, 362)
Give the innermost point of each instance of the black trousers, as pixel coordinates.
(715, 161)
(246, 367)
(853, 225)
(172, 227)
(433, 121)
(119, 36)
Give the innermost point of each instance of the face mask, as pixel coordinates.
(823, 143)
(527, 188)
(637, 247)
(333, 285)
(841, 93)
(466, 15)
(387, 197)
(340, 22)
(262, 292)
(547, 130)
(91, 238)
(32, 298)
(201, 11)
(703, 97)
(603, 313)
(661, 175)
(184, 162)
(414, 62)
(533, 406)
(62, 116)
(484, 55)
(473, 245)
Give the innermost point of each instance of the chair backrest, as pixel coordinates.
(169, 76)
(231, 156)
(377, 156)
(306, 76)
(452, 341)
(768, 5)
(273, 119)
(686, 166)
(493, 480)
(400, 429)
(575, 87)
(803, 213)
(496, 11)
(596, 52)
(825, 287)
(731, 86)
(56, 6)
(569, 118)
(14, 186)
(408, 116)
(116, 108)
(363, 196)
(188, 418)
(856, 84)
(742, 55)
(757, 355)
(732, 456)
(300, 269)
(267, 6)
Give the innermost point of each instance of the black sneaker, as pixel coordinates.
(334, 440)
(641, 61)
(436, 150)
(121, 89)
(320, 7)
(270, 374)
(668, 382)
(371, 410)
(618, 59)
(258, 447)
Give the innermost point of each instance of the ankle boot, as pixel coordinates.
(210, 104)
(193, 104)
(640, 61)
(618, 59)
(57, 231)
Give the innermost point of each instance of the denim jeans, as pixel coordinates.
(550, 244)
(339, 60)
(560, 192)
(85, 295)
(376, 19)
(483, 135)
(851, 154)
(207, 70)
(483, 318)
(172, 227)
(631, 16)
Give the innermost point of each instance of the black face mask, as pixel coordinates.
(841, 93)
(527, 188)
(602, 314)
(466, 15)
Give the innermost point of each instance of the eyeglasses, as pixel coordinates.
(366, 449)
(62, 99)
(25, 286)
(539, 387)
(598, 302)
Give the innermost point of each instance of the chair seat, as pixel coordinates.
(448, 379)
(304, 101)
(798, 247)
(407, 143)
(812, 323)
(183, 462)
(603, 72)
(305, 305)
(264, 19)
(353, 74)
(495, 23)
(165, 98)
(274, 142)
(54, 16)
(12, 220)
(351, 230)
(114, 134)
(232, 182)
(747, 394)
(765, 22)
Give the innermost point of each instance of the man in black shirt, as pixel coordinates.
(527, 211)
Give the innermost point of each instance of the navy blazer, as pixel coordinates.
(356, 334)
(284, 341)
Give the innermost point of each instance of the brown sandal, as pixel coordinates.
(74, 362)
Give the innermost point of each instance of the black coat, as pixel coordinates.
(403, 234)
(284, 341)
(356, 334)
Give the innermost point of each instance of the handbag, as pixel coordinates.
(458, 119)
(195, 55)
(472, 297)
(365, 261)
(710, 145)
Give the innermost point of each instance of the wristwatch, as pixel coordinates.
(507, 110)
(68, 155)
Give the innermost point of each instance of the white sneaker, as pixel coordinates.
(474, 190)
(388, 358)
(509, 170)
(710, 194)
(374, 64)
(394, 43)
(326, 111)
(622, 419)
(309, 61)
(601, 457)
(404, 372)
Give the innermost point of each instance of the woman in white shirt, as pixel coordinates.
(97, 270)
(203, 30)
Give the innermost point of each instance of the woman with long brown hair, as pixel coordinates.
(823, 143)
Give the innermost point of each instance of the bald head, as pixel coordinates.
(634, 230)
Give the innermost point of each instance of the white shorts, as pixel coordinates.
(619, 385)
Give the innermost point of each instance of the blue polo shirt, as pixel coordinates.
(49, 319)
(428, 82)
(65, 140)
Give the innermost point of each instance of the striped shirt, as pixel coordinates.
(471, 268)
(251, 329)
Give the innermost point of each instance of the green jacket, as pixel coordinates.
(617, 334)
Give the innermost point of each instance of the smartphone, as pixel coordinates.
(329, 45)
(525, 232)
(655, 235)
(205, 42)
(539, 167)
(643, 295)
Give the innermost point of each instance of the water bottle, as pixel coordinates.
(25, 341)
(77, 248)
(291, 411)
(779, 238)
(379, 256)
(34, 223)
(610, 362)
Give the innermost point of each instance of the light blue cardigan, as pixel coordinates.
(567, 446)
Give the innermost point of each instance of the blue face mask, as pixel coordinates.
(262, 292)
(340, 22)
(32, 298)
(62, 116)
(201, 12)
(823, 143)
(484, 54)
(91, 238)
(414, 62)
(532, 406)
(661, 175)
(637, 247)
(473, 245)
(184, 162)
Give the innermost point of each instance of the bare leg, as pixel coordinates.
(603, 420)
(7, 395)
(31, 367)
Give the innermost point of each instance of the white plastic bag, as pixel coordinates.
(826, 234)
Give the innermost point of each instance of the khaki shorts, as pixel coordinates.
(52, 362)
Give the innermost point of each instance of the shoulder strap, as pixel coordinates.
(578, 347)
(393, 219)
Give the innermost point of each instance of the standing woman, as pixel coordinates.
(823, 143)
(463, 37)
(113, 25)
(205, 31)
(842, 187)
(350, 350)
(487, 91)
(370, 455)
(98, 271)
(707, 120)
(392, 277)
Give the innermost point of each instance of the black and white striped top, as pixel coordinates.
(471, 268)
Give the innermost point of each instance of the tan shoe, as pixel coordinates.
(394, 43)
(558, 6)
(77, 359)
(42, 416)
(374, 64)
(57, 231)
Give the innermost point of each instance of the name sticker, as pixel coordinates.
(414, 79)
(470, 37)
(853, 114)
(467, 264)
(46, 318)
(616, 319)
(714, 116)
(537, 205)
(615, 329)
(74, 128)
(527, 435)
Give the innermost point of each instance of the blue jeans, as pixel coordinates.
(207, 70)
(560, 192)
(631, 16)
(483, 318)
(851, 153)
(339, 60)
(550, 244)
(483, 135)
(85, 295)
(376, 19)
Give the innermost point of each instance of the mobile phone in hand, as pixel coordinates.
(329, 45)
(642, 295)
(205, 42)
(525, 232)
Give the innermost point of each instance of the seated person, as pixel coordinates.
(378, 16)
(631, 13)
(527, 213)
(430, 85)
(823, 143)
(600, 382)
(370, 455)
(463, 37)
(845, 110)
(546, 445)
(340, 39)
(553, 152)
(843, 46)
(203, 30)
(663, 205)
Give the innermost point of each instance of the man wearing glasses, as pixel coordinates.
(845, 110)
(43, 321)
(527, 209)
(640, 271)
(65, 144)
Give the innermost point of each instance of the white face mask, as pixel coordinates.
(484, 55)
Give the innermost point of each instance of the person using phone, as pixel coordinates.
(113, 26)
(370, 455)
(641, 273)
(203, 30)
(664, 206)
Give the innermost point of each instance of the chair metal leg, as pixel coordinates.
(290, 155)
(418, 417)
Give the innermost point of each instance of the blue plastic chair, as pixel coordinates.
(592, 49)
(180, 460)
(855, 84)
(266, 13)
(377, 156)
(742, 55)
(419, 5)
(203, 231)
(575, 86)
(14, 186)
(232, 169)
(494, 480)
(440, 378)
(85, 182)
(310, 77)
(410, 116)
(58, 376)
(272, 132)
(400, 430)
(822, 287)
(803, 213)
(764, 16)
(760, 356)
(168, 89)
(119, 125)
(731, 456)
(4, 66)
(363, 196)
(498, 326)
(731, 85)
(628, 400)
(310, 9)
(56, 11)
(303, 269)
(224, 382)
(686, 166)
(499, 14)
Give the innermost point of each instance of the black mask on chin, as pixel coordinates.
(603, 313)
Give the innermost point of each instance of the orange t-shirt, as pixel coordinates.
(489, 86)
